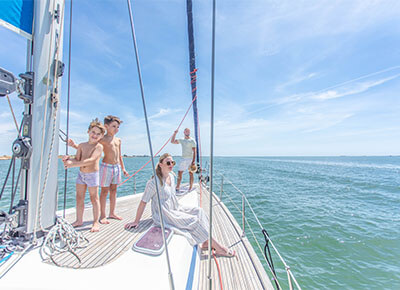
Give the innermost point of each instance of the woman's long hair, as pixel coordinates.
(158, 167)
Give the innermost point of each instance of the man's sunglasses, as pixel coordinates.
(170, 162)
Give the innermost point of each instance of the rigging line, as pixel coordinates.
(14, 189)
(171, 280)
(165, 144)
(201, 161)
(12, 112)
(7, 176)
(68, 101)
(211, 141)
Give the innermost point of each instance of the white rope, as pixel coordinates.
(62, 238)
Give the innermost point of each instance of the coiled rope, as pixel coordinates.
(60, 239)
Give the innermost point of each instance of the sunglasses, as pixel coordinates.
(170, 162)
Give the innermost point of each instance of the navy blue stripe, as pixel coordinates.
(189, 283)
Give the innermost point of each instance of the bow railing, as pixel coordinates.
(245, 209)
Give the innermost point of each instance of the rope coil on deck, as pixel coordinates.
(62, 238)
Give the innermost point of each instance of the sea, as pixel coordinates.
(334, 220)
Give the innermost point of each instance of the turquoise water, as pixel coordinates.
(335, 220)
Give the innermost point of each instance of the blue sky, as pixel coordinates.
(292, 77)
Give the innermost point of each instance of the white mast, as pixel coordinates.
(41, 178)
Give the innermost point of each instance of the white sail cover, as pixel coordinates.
(17, 15)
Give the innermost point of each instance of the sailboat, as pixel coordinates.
(40, 250)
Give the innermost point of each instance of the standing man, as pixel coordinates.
(188, 155)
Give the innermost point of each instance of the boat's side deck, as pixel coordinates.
(243, 272)
(111, 241)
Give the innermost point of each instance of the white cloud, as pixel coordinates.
(164, 112)
(355, 88)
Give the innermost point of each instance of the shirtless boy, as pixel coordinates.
(110, 168)
(87, 158)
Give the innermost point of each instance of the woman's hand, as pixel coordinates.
(131, 225)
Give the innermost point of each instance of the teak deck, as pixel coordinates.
(243, 272)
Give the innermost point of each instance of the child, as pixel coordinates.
(87, 158)
(110, 167)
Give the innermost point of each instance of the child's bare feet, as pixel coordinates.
(104, 221)
(95, 227)
(115, 217)
(77, 224)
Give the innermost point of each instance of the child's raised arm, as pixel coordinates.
(72, 144)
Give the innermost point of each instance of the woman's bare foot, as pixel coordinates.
(115, 217)
(77, 224)
(204, 246)
(228, 253)
(104, 221)
(95, 227)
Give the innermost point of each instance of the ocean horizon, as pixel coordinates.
(334, 219)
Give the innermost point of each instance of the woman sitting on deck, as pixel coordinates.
(188, 221)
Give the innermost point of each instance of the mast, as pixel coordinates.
(36, 146)
(193, 70)
(41, 118)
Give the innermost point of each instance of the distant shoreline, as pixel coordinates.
(8, 157)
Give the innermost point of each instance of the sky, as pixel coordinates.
(292, 78)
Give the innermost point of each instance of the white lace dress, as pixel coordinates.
(190, 222)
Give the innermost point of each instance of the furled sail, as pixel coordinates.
(17, 15)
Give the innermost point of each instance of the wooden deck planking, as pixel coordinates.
(113, 240)
(238, 273)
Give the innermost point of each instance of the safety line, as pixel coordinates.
(165, 144)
